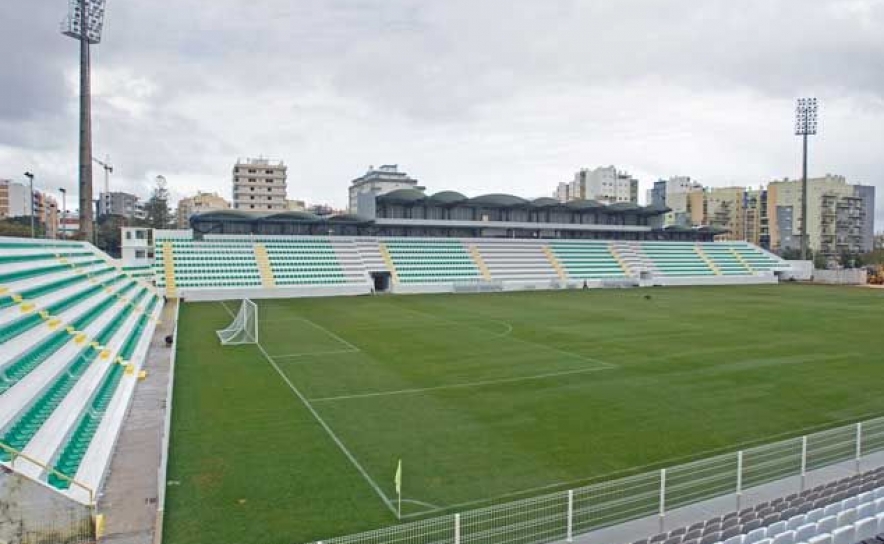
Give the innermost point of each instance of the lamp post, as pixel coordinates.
(64, 210)
(805, 125)
(30, 177)
(84, 23)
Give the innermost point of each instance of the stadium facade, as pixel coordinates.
(411, 212)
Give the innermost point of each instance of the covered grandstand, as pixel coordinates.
(410, 212)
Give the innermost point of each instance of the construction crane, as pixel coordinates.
(108, 170)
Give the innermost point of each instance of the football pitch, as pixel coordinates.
(489, 398)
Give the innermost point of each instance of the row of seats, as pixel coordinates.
(230, 261)
(431, 261)
(72, 326)
(219, 262)
(588, 260)
(796, 519)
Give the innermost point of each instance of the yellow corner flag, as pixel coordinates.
(398, 480)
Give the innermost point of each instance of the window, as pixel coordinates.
(251, 198)
(268, 172)
(252, 206)
(251, 188)
(140, 253)
(252, 180)
(128, 236)
(140, 235)
(252, 171)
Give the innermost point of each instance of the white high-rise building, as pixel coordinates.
(605, 184)
(379, 181)
(259, 185)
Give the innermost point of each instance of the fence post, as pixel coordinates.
(859, 445)
(739, 478)
(456, 528)
(662, 498)
(570, 515)
(803, 461)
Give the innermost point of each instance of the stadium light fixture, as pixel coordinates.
(84, 23)
(85, 20)
(805, 125)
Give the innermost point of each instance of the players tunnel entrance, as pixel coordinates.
(381, 281)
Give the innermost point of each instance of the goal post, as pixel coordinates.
(244, 328)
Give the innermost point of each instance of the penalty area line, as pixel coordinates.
(324, 425)
(314, 353)
(461, 385)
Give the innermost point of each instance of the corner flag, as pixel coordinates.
(398, 480)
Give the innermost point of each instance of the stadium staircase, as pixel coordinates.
(264, 266)
(480, 262)
(388, 261)
(698, 248)
(73, 334)
(847, 511)
(589, 260)
(554, 262)
(440, 260)
(229, 266)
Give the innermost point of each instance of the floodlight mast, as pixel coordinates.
(805, 125)
(84, 23)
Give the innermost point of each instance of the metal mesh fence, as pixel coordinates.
(561, 515)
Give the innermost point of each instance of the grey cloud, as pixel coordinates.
(478, 96)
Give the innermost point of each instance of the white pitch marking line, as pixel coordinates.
(461, 385)
(330, 333)
(324, 425)
(315, 353)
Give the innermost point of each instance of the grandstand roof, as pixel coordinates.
(499, 200)
(403, 195)
(545, 202)
(447, 197)
(584, 204)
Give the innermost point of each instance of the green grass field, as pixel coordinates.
(493, 397)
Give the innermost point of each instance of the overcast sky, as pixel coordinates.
(473, 95)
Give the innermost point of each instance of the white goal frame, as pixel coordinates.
(244, 328)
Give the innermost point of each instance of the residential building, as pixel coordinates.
(604, 184)
(295, 205)
(756, 220)
(376, 182)
(48, 215)
(69, 225)
(259, 185)
(840, 216)
(14, 199)
(198, 203)
(15, 202)
(673, 194)
(122, 204)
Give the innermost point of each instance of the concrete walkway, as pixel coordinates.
(631, 531)
(129, 498)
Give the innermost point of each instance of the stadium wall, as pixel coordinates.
(32, 513)
(856, 276)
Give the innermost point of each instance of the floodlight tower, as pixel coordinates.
(84, 23)
(805, 125)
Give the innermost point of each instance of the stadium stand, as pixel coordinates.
(517, 260)
(74, 329)
(590, 260)
(430, 260)
(846, 511)
(228, 266)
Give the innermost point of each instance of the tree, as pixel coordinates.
(159, 215)
(108, 235)
(19, 227)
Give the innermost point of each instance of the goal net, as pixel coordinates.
(244, 329)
